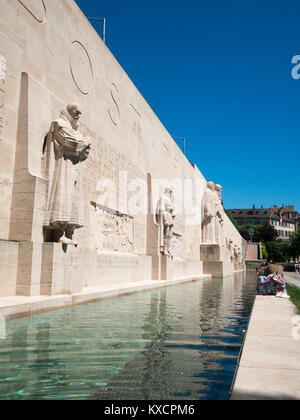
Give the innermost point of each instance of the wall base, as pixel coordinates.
(216, 261)
(218, 269)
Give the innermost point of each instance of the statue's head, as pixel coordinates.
(168, 191)
(218, 188)
(210, 185)
(74, 111)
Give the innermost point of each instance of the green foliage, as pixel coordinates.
(265, 254)
(294, 293)
(244, 231)
(278, 251)
(294, 250)
(265, 233)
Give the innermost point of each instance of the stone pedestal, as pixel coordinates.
(214, 262)
(118, 268)
(9, 253)
(65, 269)
(162, 267)
(168, 268)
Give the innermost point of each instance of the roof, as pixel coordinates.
(250, 213)
(263, 214)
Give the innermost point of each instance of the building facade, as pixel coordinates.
(285, 219)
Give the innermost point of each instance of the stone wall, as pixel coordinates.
(51, 56)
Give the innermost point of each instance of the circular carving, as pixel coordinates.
(114, 112)
(81, 68)
(36, 8)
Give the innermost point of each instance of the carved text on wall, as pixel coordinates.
(81, 68)
(36, 8)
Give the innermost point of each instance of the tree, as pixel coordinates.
(264, 251)
(244, 231)
(268, 233)
(265, 233)
(294, 245)
(278, 251)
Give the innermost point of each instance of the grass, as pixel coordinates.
(294, 293)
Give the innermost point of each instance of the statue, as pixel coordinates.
(165, 220)
(237, 257)
(2, 72)
(209, 213)
(64, 208)
(219, 213)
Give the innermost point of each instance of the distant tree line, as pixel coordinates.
(272, 248)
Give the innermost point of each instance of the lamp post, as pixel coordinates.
(184, 142)
(104, 26)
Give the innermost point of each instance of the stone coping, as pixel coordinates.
(269, 367)
(24, 306)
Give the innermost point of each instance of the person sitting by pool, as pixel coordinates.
(271, 281)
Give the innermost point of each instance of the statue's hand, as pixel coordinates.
(85, 153)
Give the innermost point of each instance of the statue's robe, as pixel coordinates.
(64, 151)
(208, 222)
(164, 218)
(219, 218)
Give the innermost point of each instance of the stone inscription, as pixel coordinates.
(5, 188)
(36, 8)
(81, 68)
(105, 162)
(114, 112)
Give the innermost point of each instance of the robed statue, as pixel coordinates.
(209, 214)
(65, 150)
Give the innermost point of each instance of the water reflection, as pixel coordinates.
(172, 343)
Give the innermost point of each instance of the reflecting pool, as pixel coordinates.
(179, 342)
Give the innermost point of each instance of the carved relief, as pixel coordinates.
(113, 231)
(36, 8)
(81, 68)
(114, 112)
(176, 245)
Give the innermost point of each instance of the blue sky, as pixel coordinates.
(218, 72)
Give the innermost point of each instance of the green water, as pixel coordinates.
(180, 342)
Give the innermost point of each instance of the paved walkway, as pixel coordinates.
(270, 363)
(293, 279)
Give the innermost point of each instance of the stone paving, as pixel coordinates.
(269, 368)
